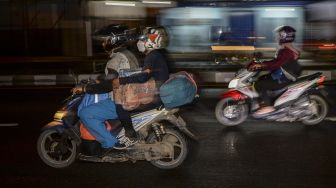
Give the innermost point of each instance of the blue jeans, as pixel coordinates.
(94, 116)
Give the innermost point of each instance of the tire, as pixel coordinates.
(55, 152)
(321, 107)
(181, 145)
(239, 112)
(122, 60)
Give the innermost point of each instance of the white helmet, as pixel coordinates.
(153, 38)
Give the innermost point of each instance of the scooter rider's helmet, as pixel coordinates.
(153, 38)
(285, 34)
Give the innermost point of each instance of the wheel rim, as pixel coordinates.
(231, 112)
(179, 148)
(56, 151)
(318, 109)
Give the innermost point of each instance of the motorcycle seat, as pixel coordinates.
(275, 93)
(308, 77)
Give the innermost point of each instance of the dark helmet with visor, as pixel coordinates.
(285, 33)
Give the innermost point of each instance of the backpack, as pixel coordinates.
(178, 90)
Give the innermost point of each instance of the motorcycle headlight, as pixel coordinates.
(59, 115)
(233, 83)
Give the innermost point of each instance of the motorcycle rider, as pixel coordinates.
(284, 68)
(155, 66)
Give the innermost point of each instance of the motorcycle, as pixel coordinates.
(302, 100)
(163, 138)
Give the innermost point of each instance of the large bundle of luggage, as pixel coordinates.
(178, 90)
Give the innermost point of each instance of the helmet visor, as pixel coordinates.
(143, 38)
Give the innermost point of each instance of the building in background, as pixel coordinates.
(64, 28)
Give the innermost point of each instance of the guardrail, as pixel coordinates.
(53, 71)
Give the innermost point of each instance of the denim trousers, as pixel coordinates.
(94, 116)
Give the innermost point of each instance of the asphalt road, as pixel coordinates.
(254, 154)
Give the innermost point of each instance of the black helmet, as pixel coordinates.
(286, 34)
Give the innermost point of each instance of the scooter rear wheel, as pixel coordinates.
(180, 146)
(320, 110)
(229, 113)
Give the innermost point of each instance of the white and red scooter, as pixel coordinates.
(300, 101)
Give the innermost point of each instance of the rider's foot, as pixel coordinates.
(125, 142)
(264, 110)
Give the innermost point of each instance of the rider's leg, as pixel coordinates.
(94, 116)
(263, 85)
(125, 116)
(126, 121)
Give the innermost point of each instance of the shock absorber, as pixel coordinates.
(162, 129)
(157, 130)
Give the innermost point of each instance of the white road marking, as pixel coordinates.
(331, 118)
(9, 124)
(44, 79)
(6, 80)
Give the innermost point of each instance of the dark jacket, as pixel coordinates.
(285, 65)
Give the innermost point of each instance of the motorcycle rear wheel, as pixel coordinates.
(229, 113)
(321, 107)
(55, 151)
(180, 149)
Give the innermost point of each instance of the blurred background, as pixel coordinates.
(210, 38)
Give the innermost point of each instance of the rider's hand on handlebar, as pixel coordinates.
(250, 64)
(77, 89)
(255, 67)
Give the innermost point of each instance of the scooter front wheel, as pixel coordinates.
(230, 113)
(55, 149)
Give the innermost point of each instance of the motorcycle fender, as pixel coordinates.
(181, 124)
(234, 94)
(320, 90)
(57, 125)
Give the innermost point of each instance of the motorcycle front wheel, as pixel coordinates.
(180, 146)
(56, 150)
(229, 113)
